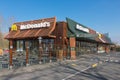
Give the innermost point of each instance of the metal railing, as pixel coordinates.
(35, 56)
(4, 62)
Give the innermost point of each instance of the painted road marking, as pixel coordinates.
(76, 73)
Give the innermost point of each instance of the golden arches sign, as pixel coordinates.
(99, 35)
(14, 27)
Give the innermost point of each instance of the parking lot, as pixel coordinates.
(87, 67)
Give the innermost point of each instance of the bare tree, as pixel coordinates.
(4, 29)
(11, 20)
(1, 35)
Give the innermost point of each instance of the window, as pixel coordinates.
(20, 45)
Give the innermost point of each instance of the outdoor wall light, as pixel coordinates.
(60, 37)
(40, 39)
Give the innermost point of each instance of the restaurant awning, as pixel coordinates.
(32, 29)
(80, 31)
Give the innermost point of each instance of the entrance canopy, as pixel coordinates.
(32, 29)
(84, 33)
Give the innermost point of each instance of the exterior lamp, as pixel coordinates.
(60, 37)
(40, 39)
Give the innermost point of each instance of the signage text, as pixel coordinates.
(82, 28)
(32, 26)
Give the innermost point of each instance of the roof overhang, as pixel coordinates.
(32, 29)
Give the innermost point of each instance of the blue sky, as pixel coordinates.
(100, 15)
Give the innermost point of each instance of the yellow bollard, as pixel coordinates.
(73, 64)
(94, 65)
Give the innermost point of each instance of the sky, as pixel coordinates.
(101, 15)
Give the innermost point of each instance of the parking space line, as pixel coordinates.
(76, 73)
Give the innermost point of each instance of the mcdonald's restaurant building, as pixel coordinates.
(46, 40)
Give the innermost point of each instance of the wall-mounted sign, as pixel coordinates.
(100, 37)
(32, 26)
(14, 27)
(79, 27)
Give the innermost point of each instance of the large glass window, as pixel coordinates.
(20, 45)
(33, 49)
(83, 47)
(47, 44)
(47, 49)
(33, 44)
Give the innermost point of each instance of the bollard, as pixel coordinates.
(73, 64)
(94, 65)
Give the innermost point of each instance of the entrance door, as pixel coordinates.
(47, 46)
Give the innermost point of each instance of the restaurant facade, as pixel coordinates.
(46, 40)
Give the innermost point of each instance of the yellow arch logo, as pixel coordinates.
(99, 35)
(14, 27)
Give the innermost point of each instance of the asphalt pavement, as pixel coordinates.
(87, 67)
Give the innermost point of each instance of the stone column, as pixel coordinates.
(64, 52)
(27, 53)
(72, 47)
(107, 49)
